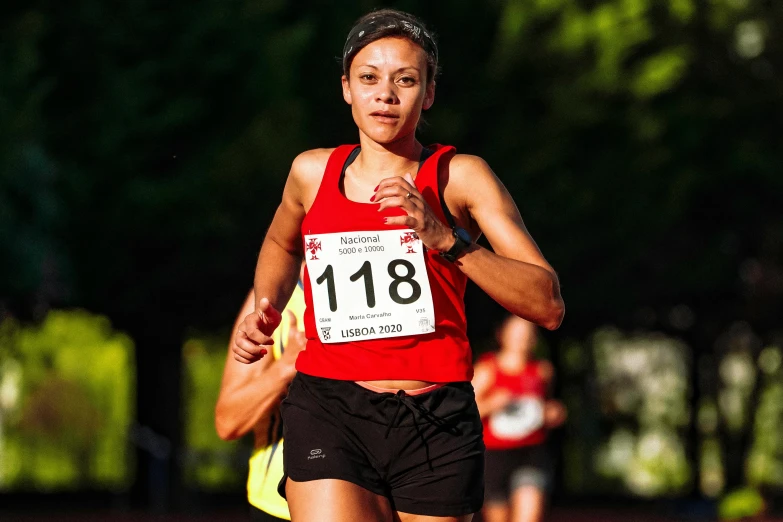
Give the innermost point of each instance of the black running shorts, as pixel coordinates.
(510, 469)
(425, 452)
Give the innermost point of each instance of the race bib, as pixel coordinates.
(519, 419)
(369, 285)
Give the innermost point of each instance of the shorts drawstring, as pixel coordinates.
(406, 400)
(401, 399)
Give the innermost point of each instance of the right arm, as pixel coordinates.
(249, 392)
(277, 270)
(488, 399)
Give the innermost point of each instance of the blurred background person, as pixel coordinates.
(249, 400)
(512, 390)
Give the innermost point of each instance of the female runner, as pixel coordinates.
(380, 421)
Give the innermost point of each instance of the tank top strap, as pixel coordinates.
(330, 183)
(427, 181)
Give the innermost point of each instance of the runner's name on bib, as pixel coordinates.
(369, 285)
(519, 419)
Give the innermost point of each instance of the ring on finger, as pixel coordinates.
(408, 195)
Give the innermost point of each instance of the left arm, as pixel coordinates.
(516, 275)
(555, 412)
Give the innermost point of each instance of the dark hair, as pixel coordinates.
(385, 23)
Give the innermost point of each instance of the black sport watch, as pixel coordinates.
(462, 241)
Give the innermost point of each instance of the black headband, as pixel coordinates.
(414, 31)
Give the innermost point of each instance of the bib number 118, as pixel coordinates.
(365, 273)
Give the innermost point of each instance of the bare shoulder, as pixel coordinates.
(307, 171)
(473, 187)
(472, 176)
(466, 163)
(310, 164)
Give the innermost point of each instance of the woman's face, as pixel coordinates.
(387, 90)
(518, 336)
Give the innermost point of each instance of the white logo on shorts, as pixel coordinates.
(316, 454)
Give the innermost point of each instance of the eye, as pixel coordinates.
(408, 80)
(367, 77)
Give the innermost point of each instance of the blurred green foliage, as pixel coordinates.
(765, 458)
(210, 463)
(645, 433)
(643, 391)
(741, 504)
(66, 403)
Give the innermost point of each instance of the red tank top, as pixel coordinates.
(521, 423)
(441, 356)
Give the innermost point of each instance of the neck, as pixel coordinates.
(512, 361)
(383, 160)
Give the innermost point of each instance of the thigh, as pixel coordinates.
(533, 468)
(332, 500)
(495, 512)
(527, 504)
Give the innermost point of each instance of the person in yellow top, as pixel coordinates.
(249, 399)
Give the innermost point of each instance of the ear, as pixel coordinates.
(346, 90)
(429, 96)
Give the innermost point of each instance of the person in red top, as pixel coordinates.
(512, 390)
(380, 422)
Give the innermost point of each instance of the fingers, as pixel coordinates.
(396, 186)
(400, 196)
(245, 350)
(407, 221)
(255, 330)
(270, 317)
(252, 346)
(250, 338)
(243, 359)
(401, 192)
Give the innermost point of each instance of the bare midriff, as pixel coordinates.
(392, 384)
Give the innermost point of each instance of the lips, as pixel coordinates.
(384, 116)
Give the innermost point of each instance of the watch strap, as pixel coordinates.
(459, 246)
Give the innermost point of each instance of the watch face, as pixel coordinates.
(463, 235)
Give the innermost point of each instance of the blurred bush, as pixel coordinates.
(67, 398)
(209, 462)
(765, 460)
(741, 504)
(643, 391)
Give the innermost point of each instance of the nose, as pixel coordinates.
(387, 92)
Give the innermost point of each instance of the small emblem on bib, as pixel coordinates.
(313, 246)
(409, 239)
